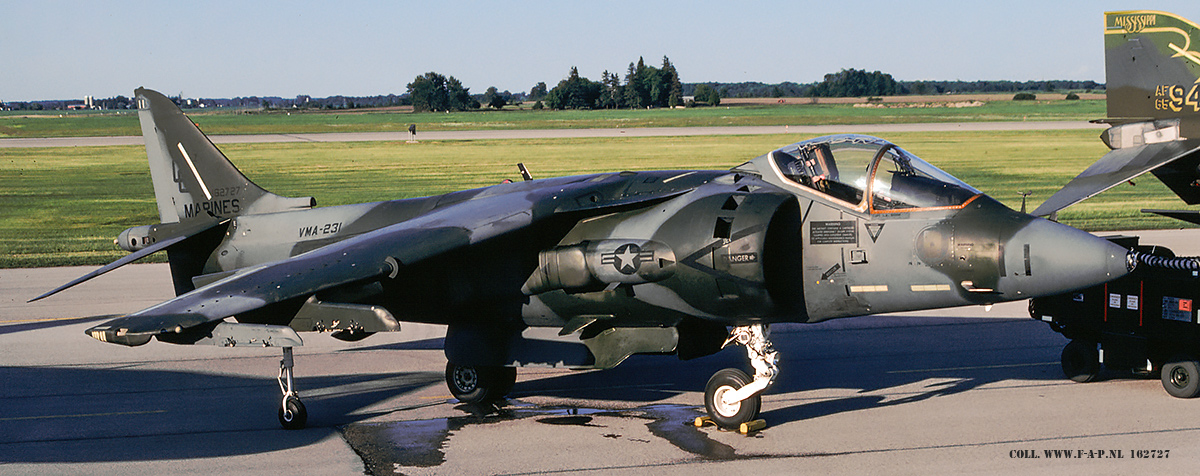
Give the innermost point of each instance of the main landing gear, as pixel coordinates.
(292, 414)
(479, 384)
(469, 384)
(731, 397)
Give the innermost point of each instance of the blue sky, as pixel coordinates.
(68, 49)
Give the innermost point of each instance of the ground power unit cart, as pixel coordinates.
(1144, 322)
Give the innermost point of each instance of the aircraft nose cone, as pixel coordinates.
(1045, 258)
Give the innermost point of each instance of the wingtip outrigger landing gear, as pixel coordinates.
(292, 414)
(731, 397)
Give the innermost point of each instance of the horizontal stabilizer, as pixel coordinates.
(1190, 216)
(1114, 168)
(137, 255)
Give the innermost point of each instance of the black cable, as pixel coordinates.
(1186, 263)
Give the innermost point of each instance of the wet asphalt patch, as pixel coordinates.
(387, 447)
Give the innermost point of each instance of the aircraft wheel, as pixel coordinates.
(729, 416)
(1081, 361)
(1181, 377)
(506, 377)
(292, 414)
(471, 384)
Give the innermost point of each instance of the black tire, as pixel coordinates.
(730, 417)
(1081, 361)
(292, 414)
(471, 384)
(1181, 377)
(506, 377)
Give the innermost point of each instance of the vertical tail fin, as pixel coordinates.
(1152, 60)
(1152, 63)
(193, 181)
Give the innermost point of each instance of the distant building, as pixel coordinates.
(89, 102)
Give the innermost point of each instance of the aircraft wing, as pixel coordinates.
(359, 258)
(371, 255)
(1115, 167)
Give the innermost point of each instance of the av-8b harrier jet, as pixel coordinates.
(679, 262)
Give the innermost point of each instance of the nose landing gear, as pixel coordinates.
(731, 397)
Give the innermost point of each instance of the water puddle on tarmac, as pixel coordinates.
(388, 446)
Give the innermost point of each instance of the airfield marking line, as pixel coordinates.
(649, 385)
(551, 390)
(978, 367)
(420, 405)
(83, 415)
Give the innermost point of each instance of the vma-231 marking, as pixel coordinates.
(320, 230)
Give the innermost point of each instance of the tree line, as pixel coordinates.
(642, 87)
(859, 83)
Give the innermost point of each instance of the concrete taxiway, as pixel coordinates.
(949, 391)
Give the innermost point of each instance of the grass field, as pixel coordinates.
(19, 124)
(64, 206)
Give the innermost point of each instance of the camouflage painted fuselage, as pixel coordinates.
(723, 246)
(634, 262)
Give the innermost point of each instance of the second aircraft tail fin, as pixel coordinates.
(1152, 64)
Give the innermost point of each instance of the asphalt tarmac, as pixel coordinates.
(951, 391)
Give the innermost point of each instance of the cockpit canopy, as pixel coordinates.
(854, 168)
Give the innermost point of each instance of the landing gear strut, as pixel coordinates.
(292, 414)
(731, 397)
